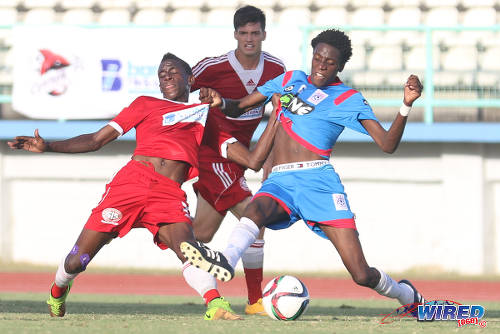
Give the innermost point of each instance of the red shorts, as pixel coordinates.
(139, 197)
(222, 184)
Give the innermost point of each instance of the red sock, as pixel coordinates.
(56, 291)
(254, 281)
(211, 295)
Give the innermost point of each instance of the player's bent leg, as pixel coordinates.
(201, 281)
(253, 261)
(88, 244)
(347, 243)
(206, 221)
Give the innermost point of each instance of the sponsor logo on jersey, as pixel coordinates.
(194, 114)
(243, 184)
(289, 88)
(111, 216)
(251, 114)
(295, 104)
(111, 80)
(340, 202)
(251, 83)
(317, 97)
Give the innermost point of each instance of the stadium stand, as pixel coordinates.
(460, 59)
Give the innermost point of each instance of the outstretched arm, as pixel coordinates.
(255, 158)
(389, 140)
(80, 144)
(231, 108)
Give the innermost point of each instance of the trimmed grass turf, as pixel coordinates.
(89, 313)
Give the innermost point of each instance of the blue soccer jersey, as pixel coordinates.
(323, 112)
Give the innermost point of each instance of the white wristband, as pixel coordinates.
(223, 106)
(404, 110)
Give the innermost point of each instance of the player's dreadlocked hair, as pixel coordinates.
(336, 38)
(184, 65)
(249, 14)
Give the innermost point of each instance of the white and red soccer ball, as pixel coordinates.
(285, 298)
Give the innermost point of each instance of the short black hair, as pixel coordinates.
(336, 38)
(184, 65)
(249, 14)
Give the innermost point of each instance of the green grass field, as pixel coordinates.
(27, 313)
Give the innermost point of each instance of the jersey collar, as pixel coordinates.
(335, 83)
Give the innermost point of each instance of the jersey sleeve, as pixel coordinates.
(201, 77)
(129, 116)
(355, 109)
(272, 86)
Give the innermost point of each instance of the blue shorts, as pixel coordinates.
(314, 195)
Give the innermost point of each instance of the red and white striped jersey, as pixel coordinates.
(226, 75)
(166, 129)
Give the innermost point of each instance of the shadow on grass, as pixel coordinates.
(183, 309)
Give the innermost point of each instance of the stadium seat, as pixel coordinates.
(442, 16)
(152, 4)
(366, 3)
(440, 3)
(328, 3)
(330, 16)
(221, 4)
(358, 59)
(415, 59)
(220, 16)
(78, 16)
(489, 59)
(294, 16)
(403, 3)
(40, 16)
(185, 16)
(114, 16)
(115, 4)
(192, 4)
(368, 16)
(385, 57)
(403, 17)
(10, 3)
(460, 58)
(30, 4)
(7, 64)
(150, 16)
(477, 16)
(8, 16)
(478, 3)
(69, 4)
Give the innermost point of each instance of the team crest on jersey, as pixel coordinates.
(317, 97)
(295, 104)
(340, 202)
(289, 88)
(111, 216)
(243, 184)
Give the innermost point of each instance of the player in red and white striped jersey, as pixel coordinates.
(222, 186)
(146, 192)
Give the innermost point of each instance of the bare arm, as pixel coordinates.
(84, 143)
(255, 158)
(231, 108)
(389, 140)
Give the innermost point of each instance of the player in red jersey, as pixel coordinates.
(146, 192)
(222, 185)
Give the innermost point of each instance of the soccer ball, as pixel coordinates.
(285, 298)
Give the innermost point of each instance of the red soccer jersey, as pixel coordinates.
(226, 75)
(165, 129)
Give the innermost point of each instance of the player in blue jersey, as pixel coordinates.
(303, 184)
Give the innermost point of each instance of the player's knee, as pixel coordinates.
(361, 278)
(76, 263)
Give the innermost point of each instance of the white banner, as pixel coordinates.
(70, 72)
(89, 73)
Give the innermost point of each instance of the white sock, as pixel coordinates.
(198, 279)
(62, 277)
(390, 288)
(243, 235)
(253, 258)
